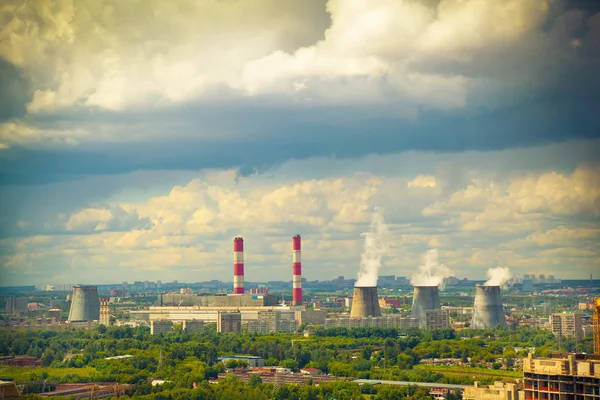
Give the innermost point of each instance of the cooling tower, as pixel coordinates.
(85, 304)
(425, 298)
(365, 303)
(487, 310)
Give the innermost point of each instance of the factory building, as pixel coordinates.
(564, 376)
(229, 321)
(567, 325)
(437, 319)
(158, 327)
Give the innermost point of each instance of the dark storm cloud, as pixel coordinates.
(15, 91)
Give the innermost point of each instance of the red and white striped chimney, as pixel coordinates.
(297, 271)
(238, 265)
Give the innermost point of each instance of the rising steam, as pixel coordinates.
(498, 276)
(431, 272)
(375, 246)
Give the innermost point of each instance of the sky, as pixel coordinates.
(137, 138)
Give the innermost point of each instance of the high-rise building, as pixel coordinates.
(229, 321)
(567, 324)
(562, 377)
(104, 311)
(193, 325)
(497, 391)
(15, 305)
(437, 319)
(160, 326)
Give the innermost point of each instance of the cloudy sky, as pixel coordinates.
(137, 138)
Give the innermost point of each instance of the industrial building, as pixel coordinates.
(85, 304)
(497, 391)
(567, 324)
(424, 298)
(437, 319)
(487, 308)
(565, 376)
(229, 321)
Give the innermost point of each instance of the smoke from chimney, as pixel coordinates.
(498, 276)
(374, 247)
(431, 272)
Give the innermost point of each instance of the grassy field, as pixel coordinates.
(452, 371)
(21, 374)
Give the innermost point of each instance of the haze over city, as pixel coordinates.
(137, 140)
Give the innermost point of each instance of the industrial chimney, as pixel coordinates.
(365, 302)
(238, 265)
(487, 309)
(85, 304)
(297, 271)
(425, 298)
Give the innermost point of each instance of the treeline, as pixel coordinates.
(233, 388)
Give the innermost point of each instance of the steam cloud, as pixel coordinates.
(497, 276)
(431, 272)
(375, 246)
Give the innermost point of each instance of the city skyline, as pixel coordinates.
(137, 142)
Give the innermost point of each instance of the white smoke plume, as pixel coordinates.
(431, 272)
(375, 246)
(498, 276)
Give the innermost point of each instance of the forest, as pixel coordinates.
(182, 358)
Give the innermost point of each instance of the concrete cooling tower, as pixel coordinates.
(425, 298)
(365, 303)
(85, 304)
(487, 309)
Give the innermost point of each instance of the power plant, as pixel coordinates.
(425, 298)
(296, 271)
(85, 304)
(365, 302)
(238, 265)
(487, 308)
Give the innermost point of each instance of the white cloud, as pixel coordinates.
(20, 134)
(116, 56)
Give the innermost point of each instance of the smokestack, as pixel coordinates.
(425, 298)
(487, 309)
(365, 302)
(85, 304)
(297, 271)
(238, 265)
